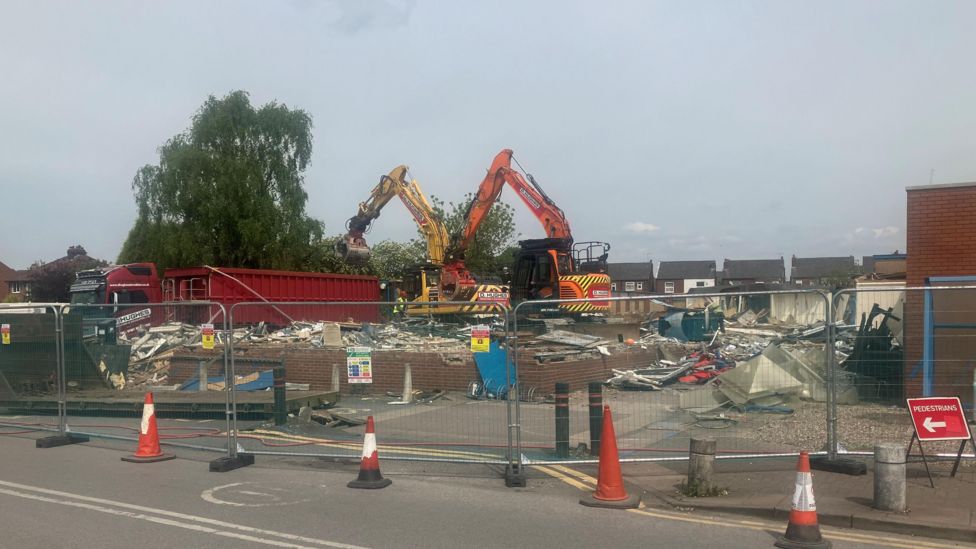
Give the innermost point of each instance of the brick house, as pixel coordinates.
(678, 277)
(738, 272)
(823, 271)
(631, 278)
(6, 274)
(941, 236)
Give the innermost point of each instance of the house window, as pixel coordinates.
(700, 283)
(16, 287)
(613, 286)
(669, 287)
(640, 286)
(628, 286)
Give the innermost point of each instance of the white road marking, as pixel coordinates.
(144, 511)
(210, 496)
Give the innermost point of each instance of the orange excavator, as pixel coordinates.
(545, 268)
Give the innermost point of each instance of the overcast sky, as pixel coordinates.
(673, 130)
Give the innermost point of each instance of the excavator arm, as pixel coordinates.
(552, 218)
(353, 249)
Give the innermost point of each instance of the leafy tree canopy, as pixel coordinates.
(229, 191)
(491, 250)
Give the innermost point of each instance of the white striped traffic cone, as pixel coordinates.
(369, 468)
(148, 450)
(803, 531)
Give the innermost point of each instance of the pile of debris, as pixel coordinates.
(150, 353)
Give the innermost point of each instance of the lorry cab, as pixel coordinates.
(118, 293)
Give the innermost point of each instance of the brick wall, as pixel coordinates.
(427, 370)
(941, 239)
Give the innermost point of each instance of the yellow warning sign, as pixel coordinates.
(480, 339)
(5, 334)
(207, 330)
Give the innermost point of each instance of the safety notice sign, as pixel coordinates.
(938, 418)
(5, 334)
(359, 367)
(480, 338)
(207, 331)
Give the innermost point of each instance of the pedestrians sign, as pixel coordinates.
(359, 367)
(5, 333)
(207, 330)
(938, 418)
(480, 338)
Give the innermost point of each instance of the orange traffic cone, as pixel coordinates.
(148, 450)
(803, 532)
(369, 467)
(610, 491)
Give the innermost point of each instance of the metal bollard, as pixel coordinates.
(701, 464)
(562, 420)
(280, 409)
(596, 416)
(889, 477)
(335, 378)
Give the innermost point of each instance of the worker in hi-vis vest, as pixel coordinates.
(400, 307)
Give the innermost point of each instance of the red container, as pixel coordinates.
(231, 286)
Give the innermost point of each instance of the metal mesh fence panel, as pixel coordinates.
(748, 369)
(896, 343)
(115, 355)
(29, 369)
(414, 368)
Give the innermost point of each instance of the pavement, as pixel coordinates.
(764, 489)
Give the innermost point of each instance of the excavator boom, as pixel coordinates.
(352, 248)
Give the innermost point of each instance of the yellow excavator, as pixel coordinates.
(425, 283)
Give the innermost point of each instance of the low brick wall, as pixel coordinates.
(428, 370)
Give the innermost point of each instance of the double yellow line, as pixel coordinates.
(586, 483)
(384, 448)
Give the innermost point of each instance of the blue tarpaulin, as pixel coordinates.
(491, 366)
(264, 381)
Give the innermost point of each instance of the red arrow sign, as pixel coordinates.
(938, 418)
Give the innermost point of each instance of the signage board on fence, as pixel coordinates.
(359, 366)
(207, 332)
(480, 338)
(938, 418)
(5, 334)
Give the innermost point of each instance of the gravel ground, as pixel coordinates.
(859, 426)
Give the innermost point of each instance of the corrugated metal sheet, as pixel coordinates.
(232, 286)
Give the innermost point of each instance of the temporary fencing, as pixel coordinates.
(30, 365)
(766, 373)
(115, 354)
(747, 368)
(409, 366)
(896, 342)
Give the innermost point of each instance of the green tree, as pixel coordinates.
(228, 191)
(393, 260)
(490, 252)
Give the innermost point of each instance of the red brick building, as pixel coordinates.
(940, 350)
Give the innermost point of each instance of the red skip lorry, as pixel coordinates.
(124, 290)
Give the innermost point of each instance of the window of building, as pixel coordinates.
(629, 286)
(669, 287)
(613, 286)
(16, 287)
(700, 283)
(640, 286)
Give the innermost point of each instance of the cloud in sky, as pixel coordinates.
(641, 227)
(885, 232)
